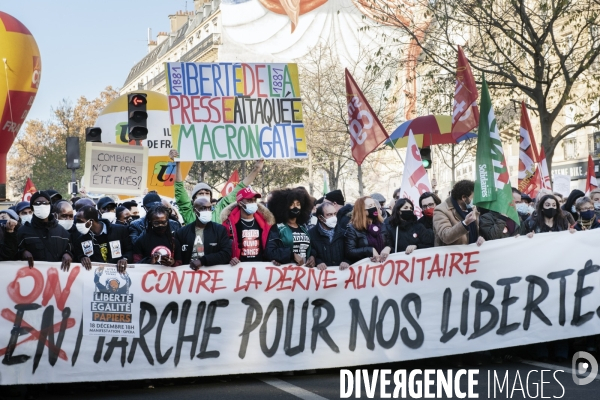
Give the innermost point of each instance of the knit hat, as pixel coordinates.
(378, 197)
(12, 214)
(336, 196)
(150, 199)
(37, 195)
(200, 186)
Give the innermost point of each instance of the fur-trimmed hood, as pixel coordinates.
(262, 210)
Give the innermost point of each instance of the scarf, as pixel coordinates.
(472, 228)
(327, 232)
(375, 237)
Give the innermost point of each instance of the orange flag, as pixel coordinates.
(366, 131)
(29, 190)
(465, 114)
(234, 179)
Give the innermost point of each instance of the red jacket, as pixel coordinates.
(231, 215)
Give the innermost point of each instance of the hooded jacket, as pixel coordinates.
(114, 233)
(46, 241)
(231, 215)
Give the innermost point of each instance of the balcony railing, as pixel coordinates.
(203, 46)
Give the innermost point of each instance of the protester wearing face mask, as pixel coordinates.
(365, 234)
(43, 239)
(100, 241)
(569, 205)
(204, 243)
(327, 239)
(587, 217)
(404, 233)
(248, 224)
(547, 218)
(8, 235)
(595, 196)
(157, 244)
(454, 220)
(428, 202)
(123, 216)
(25, 212)
(137, 227)
(132, 207)
(107, 207)
(288, 241)
(63, 211)
(521, 206)
(202, 189)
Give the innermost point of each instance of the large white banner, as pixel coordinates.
(259, 318)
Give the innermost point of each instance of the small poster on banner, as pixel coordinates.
(109, 308)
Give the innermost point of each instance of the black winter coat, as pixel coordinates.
(343, 217)
(46, 241)
(409, 234)
(217, 245)
(137, 227)
(330, 253)
(114, 233)
(8, 244)
(493, 226)
(357, 245)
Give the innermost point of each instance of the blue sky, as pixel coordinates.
(87, 45)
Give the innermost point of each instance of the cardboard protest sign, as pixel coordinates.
(225, 111)
(258, 317)
(115, 169)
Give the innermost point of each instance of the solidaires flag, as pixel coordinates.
(492, 183)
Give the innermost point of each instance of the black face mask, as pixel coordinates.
(372, 212)
(549, 212)
(294, 212)
(134, 217)
(408, 215)
(161, 230)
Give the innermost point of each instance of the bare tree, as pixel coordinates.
(542, 50)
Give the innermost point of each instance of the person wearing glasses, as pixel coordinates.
(100, 241)
(204, 243)
(137, 227)
(587, 216)
(157, 244)
(43, 239)
(428, 201)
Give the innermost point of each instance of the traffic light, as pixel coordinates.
(426, 157)
(136, 104)
(93, 134)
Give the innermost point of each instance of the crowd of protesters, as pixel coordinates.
(288, 226)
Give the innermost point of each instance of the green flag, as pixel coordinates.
(325, 186)
(492, 183)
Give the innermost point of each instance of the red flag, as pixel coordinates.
(29, 190)
(465, 114)
(234, 179)
(530, 181)
(366, 131)
(591, 182)
(543, 166)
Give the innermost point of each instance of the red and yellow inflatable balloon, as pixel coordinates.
(20, 73)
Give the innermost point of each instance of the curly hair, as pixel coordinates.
(359, 214)
(281, 200)
(462, 188)
(396, 217)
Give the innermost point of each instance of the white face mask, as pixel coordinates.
(331, 222)
(110, 216)
(523, 208)
(205, 216)
(42, 211)
(573, 209)
(66, 223)
(83, 228)
(203, 196)
(26, 218)
(597, 205)
(251, 208)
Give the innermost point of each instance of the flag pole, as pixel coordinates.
(397, 152)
